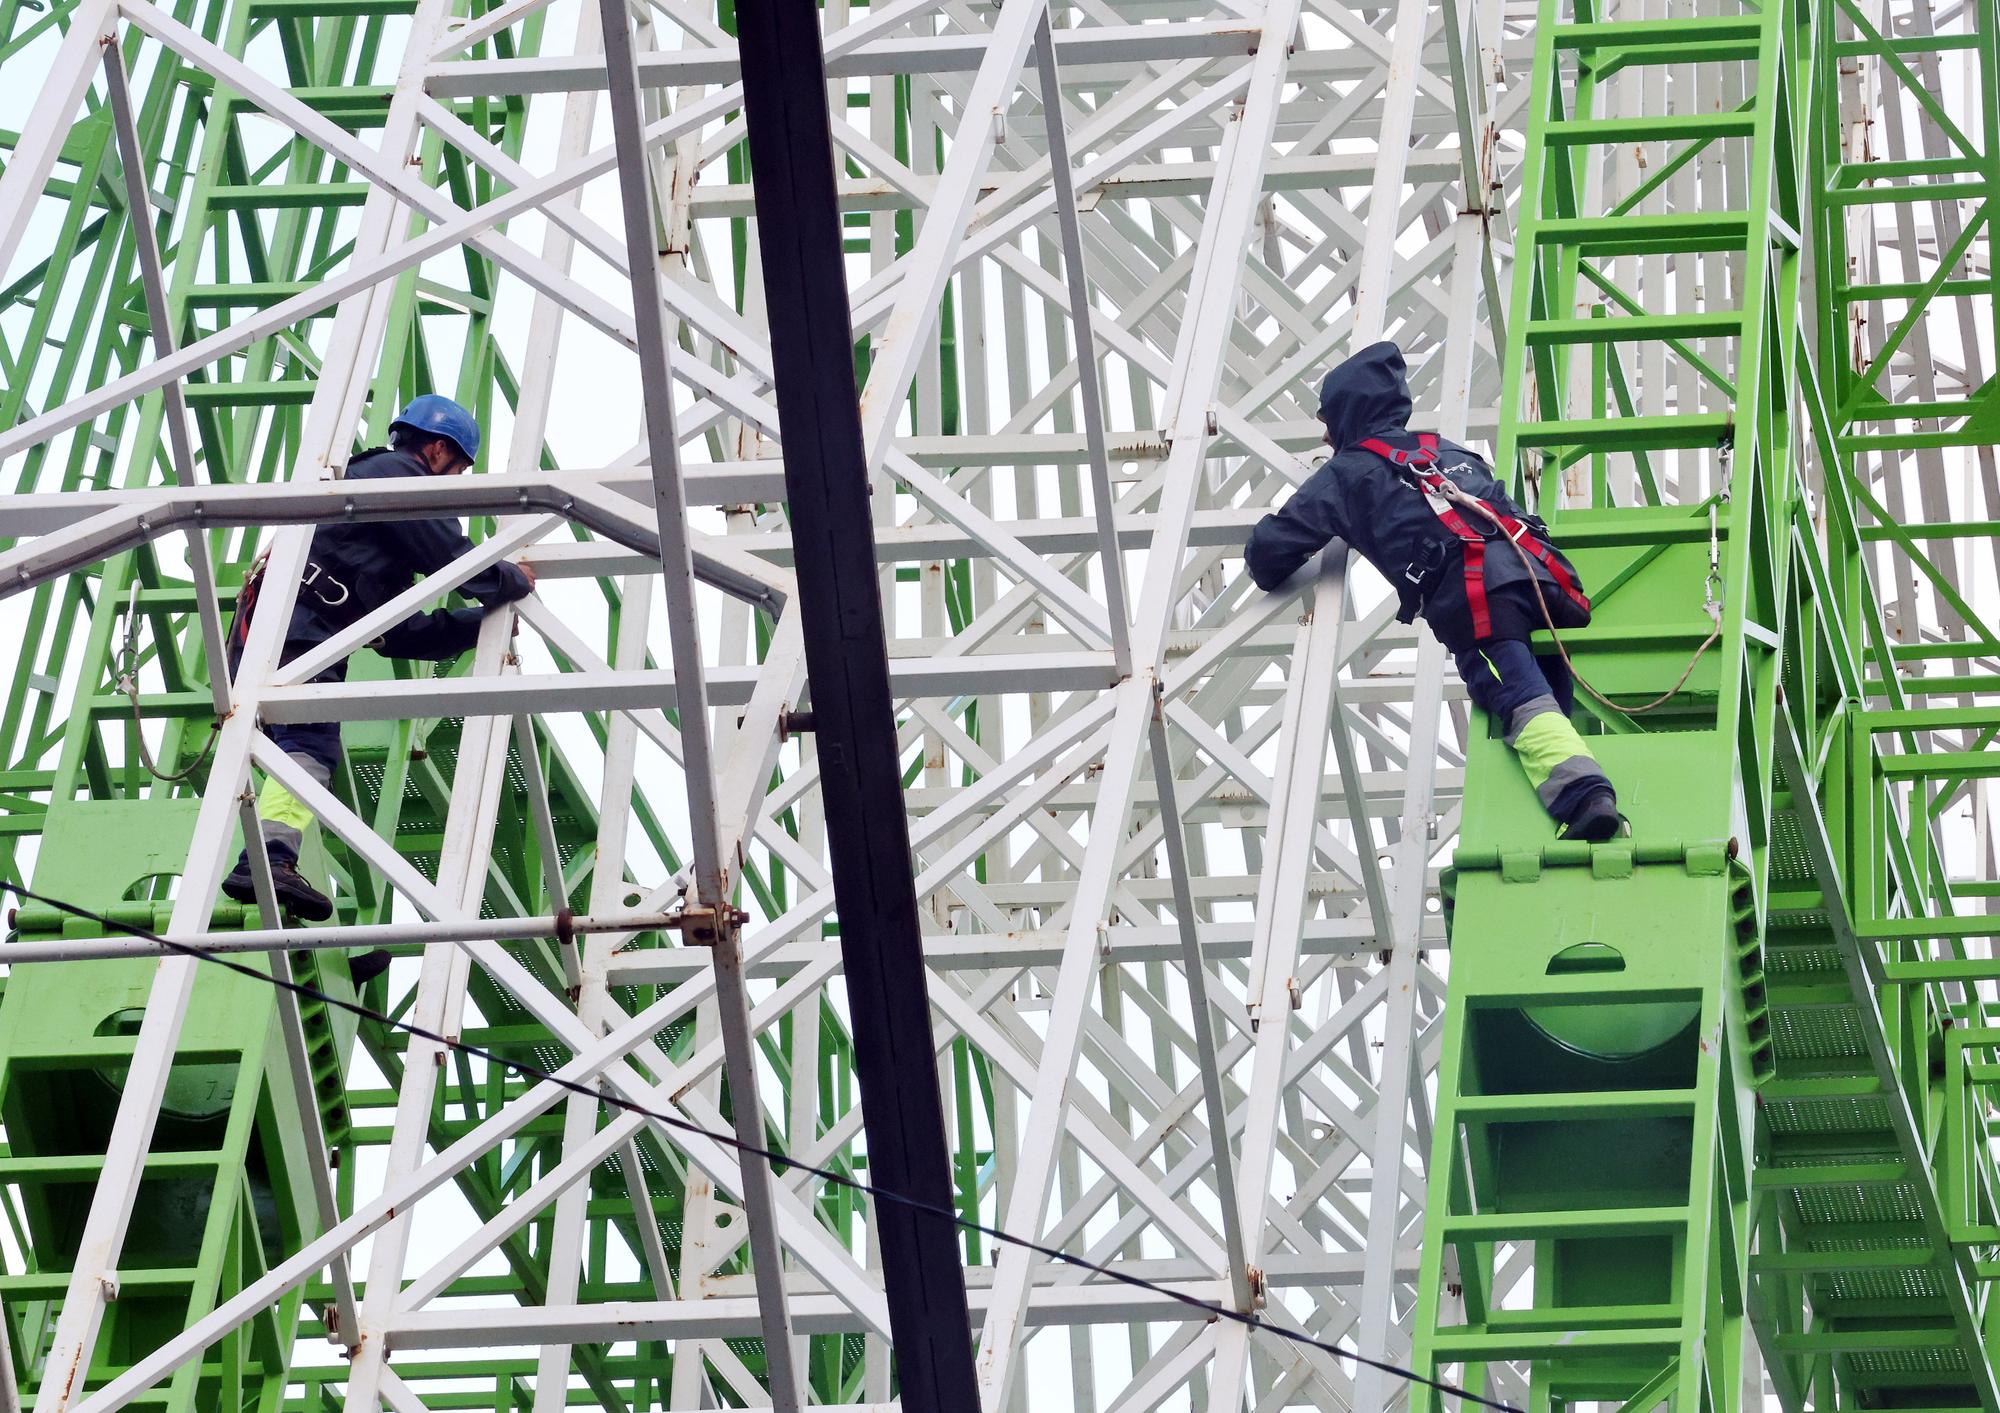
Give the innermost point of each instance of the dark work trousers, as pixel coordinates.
(313, 745)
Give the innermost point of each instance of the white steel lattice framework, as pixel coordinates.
(1263, 185)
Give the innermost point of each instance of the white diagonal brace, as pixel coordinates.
(797, 1226)
(713, 881)
(62, 85)
(929, 266)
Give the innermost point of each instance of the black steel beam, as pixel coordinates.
(847, 665)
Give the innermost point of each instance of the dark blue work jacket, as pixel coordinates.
(355, 568)
(1377, 509)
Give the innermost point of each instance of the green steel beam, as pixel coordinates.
(1586, 979)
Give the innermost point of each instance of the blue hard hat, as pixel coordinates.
(441, 417)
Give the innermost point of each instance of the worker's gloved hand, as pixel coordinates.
(527, 571)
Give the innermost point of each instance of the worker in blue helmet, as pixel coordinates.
(1483, 572)
(352, 570)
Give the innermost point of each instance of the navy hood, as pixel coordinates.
(1367, 395)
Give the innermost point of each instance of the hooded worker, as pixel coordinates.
(1410, 503)
(352, 570)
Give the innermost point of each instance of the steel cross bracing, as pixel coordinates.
(346, 196)
(350, 203)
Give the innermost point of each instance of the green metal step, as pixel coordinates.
(1703, 429)
(1680, 127)
(1711, 38)
(1611, 1104)
(1646, 328)
(1681, 232)
(349, 106)
(1522, 1226)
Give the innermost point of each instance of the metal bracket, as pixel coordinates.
(705, 927)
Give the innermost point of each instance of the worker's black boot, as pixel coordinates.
(1596, 819)
(295, 895)
(366, 967)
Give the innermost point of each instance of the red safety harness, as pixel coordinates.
(1439, 492)
(246, 602)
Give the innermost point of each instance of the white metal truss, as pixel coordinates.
(1256, 187)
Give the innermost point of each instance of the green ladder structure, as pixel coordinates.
(1722, 1080)
(228, 1188)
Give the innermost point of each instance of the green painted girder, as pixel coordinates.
(331, 9)
(279, 196)
(1924, 928)
(1668, 127)
(1634, 329)
(1719, 37)
(1685, 431)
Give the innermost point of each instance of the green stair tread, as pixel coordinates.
(1872, 1340)
(1859, 1202)
(1817, 1032)
(1487, 1226)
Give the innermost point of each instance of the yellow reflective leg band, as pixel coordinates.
(280, 806)
(1544, 742)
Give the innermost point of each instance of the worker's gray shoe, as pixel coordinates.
(1597, 819)
(295, 895)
